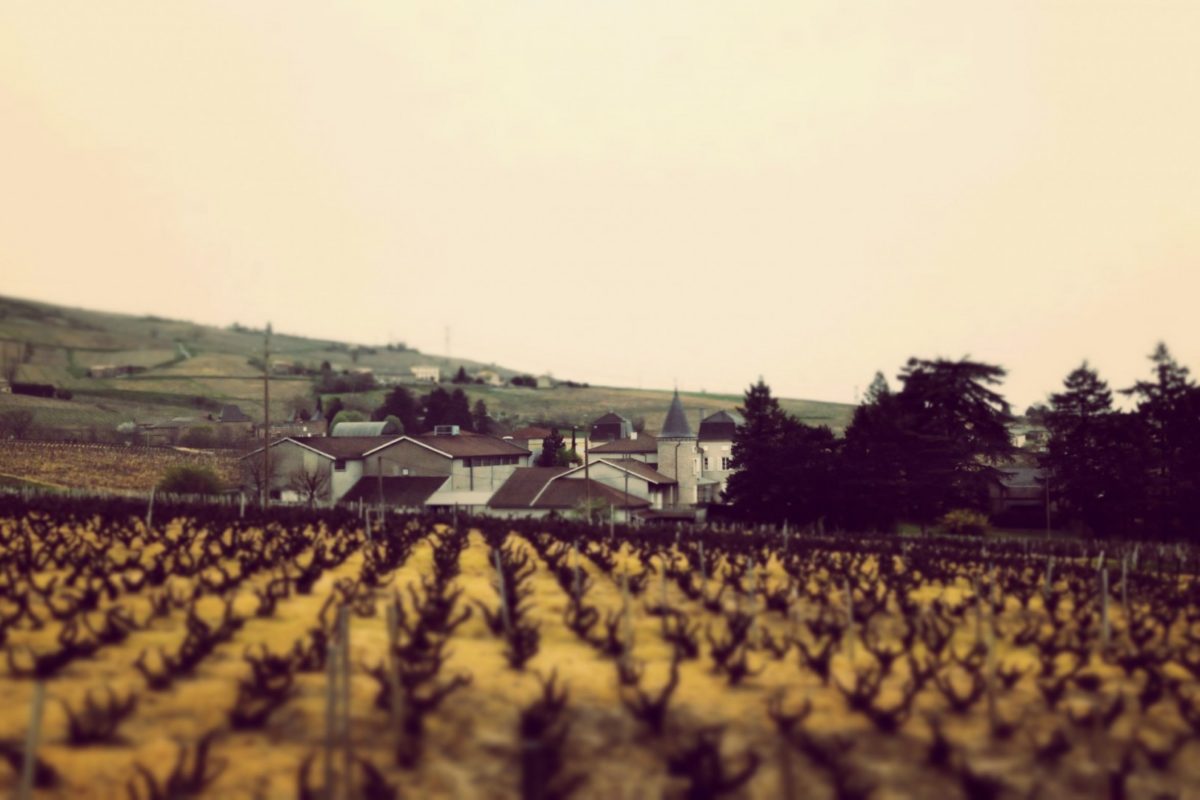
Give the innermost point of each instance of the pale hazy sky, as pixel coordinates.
(622, 191)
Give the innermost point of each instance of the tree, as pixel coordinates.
(1084, 469)
(461, 376)
(550, 447)
(254, 479)
(333, 408)
(392, 424)
(955, 432)
(311, 483)
(190, 479)
(1169, 408)
(480, 422)
(459, 411)
(399, 403)
(437, 409)
(785, 469)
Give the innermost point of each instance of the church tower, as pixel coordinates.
(678, 454)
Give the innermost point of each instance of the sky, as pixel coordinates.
(626, 192)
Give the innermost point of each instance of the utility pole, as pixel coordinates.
(587, 480)
(266, 483)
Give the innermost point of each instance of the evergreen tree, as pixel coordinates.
(955, 432)
(436, 409)
(460, 411)
(1084, 459)
(1169, 409)
(551, 446)
(479, 417)
(786, 469)
(461, 376)
(332, 409)
(399, 403)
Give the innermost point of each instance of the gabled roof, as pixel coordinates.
(231, 413)
(639, 469)
(465, 445)
(572, 494)
(545, 488)
(645, 443)
(531, 432)
(609, 418)
(676, 425)
(405, 491)
(523, 486)
(342, 447)
(720, 426)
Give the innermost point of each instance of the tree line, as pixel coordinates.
(941, 442)
(415, 415)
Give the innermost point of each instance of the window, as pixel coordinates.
(706, 463)
(339, 465)
(726, 462)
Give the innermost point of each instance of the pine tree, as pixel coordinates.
(1169, 408)
(551, 446)
(1083, 458)
(479, 417)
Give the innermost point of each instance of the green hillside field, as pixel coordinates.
(191, 369)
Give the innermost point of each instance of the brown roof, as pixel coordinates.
(641, 469)
(570, 493)
(522, 486)
(645, 443)
(465, 445)
(351, 447)
(538, 487)
(531, 432)
(405, 491)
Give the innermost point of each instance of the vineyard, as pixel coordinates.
(104, 466)
(202, 652)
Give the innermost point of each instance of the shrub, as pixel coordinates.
(964, 522)
(186, 479)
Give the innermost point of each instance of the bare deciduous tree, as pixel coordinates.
(312, 484)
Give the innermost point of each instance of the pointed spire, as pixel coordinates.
(676, 425)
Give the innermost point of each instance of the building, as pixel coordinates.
(631, 479)
(5, 386)
(641, 447)
(232, 425)
(716, 453)
(609, 427)
(1017, 496)
(545, 382)
(472, 466)
(427, 373)
(679, 454)
(533, 492)
(531, 438)
(489, 377)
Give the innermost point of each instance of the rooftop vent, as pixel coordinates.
(445, 430)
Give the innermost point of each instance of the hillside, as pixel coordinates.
(189, 369)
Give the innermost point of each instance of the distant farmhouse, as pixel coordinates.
(427, 373)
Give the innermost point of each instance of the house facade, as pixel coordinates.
(465, 463)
